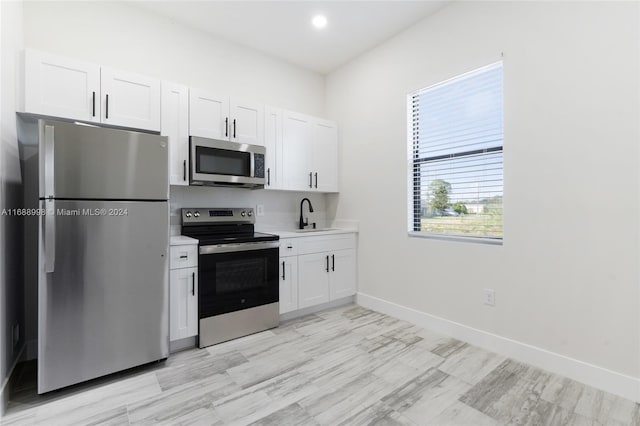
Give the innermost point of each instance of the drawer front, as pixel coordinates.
(319, 244)
(185, 256)
(288, 247)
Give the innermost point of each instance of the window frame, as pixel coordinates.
(414, 191)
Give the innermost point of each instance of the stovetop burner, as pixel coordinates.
(222, 226)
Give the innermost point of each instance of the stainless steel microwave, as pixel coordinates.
(223, 163)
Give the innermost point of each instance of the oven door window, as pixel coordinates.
(231, 282)
(217, 161)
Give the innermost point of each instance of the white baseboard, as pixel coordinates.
(182, 344)
(6, 384)
(589, 374)
(316, 308)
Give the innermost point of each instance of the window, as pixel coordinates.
(455, 156)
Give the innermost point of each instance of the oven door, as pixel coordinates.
(215, 162)
(233, 277)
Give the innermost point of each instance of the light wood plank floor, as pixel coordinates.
(344, 366)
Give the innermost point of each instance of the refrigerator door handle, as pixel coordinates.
(50, 236)
(49, 174)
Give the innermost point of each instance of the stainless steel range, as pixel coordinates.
(238, 273)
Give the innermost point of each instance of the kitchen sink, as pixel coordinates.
(304, 231)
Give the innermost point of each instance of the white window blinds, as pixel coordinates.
(456, 156)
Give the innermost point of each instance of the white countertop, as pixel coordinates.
(181, 240)
(331, 231)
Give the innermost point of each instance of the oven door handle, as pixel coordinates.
(230, 248)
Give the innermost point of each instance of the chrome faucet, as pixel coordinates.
(303, 222)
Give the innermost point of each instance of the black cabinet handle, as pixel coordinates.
(310, 180)
(316, 179)
(94, 104)
(333, 262)
(283, 273)
(106, 112)
(184, 256)
(193, 283)
(184, 170)
(226, 126)
(327, 263)
(234, 128)
(269, 177)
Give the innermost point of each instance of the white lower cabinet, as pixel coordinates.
(183, 303)
(342, 281)
(183, 292)
(288, 284)
(313, 286)
(316, 270)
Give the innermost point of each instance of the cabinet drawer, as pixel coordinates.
(288, 247)
(184, 256)
(319, 244)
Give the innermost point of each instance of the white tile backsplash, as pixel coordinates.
(281, 208)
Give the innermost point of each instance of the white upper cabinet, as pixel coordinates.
(273, 145)
(130, 100)
(247, 122)
(219, 117)
(325, 155)
(66, 88)
(208, 115)
(61, 87)
(297, 157)
(175, 125)
(310, 153)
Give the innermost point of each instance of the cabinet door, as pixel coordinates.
(183, 303)
(343, 274)
(247, 122)
(313, 279)
(130, 100)
(297, 152)
(61, 87)
(273, 144)
(175, 125)
(325, 156)
(288, 284)
(208, 115)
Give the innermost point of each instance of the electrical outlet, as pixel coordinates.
(489, 297)
(260, 210)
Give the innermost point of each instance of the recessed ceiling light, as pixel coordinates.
(319, 21)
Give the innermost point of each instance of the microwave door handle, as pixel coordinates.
(252, 172)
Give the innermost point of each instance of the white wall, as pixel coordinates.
(133, 39)
(566, 278)
(129, 38)
(11, 288)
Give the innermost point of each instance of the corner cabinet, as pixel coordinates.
(60, 87)
(310, 153)
(321, 268)
(220, 117)
(183, 291)
(175, 125)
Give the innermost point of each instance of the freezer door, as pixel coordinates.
(80, 161)
(102, 290)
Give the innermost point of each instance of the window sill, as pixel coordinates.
(457, 238)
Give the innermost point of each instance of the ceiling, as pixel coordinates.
(283, 28)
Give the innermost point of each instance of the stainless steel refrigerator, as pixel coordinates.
(103, 250)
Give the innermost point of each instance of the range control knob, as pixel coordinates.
(196, 214)
(250, 213)
(243, 214)
(187, 214)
